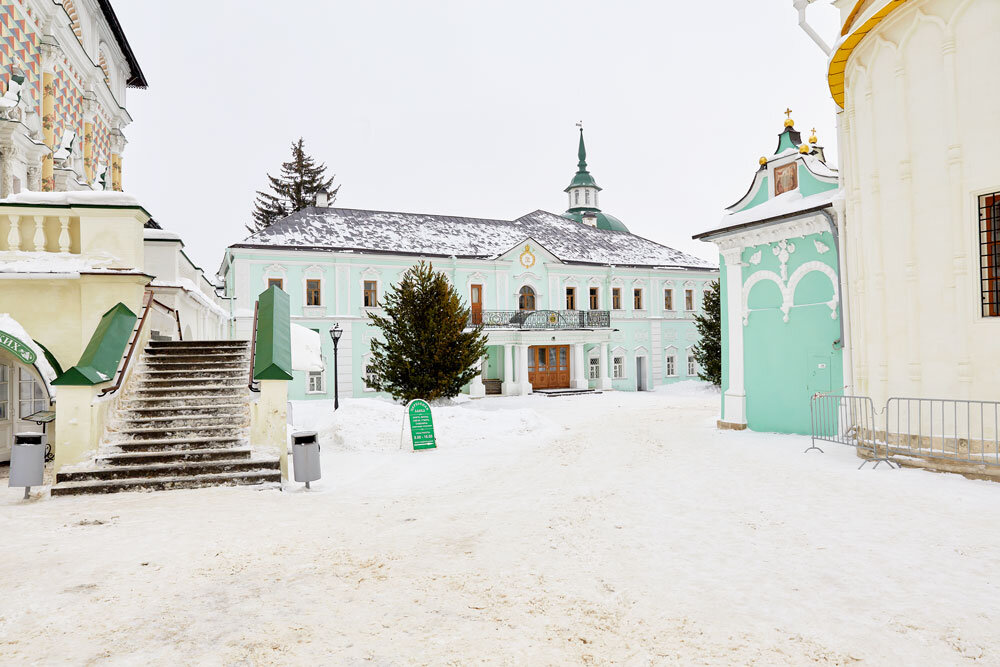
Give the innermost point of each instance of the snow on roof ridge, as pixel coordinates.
(86, 197)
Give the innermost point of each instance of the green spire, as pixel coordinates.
(582, 177)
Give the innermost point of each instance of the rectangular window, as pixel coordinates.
(316, 382)
(312, 293)
(595, 368)
(692, 366)
(668, 299)
(989, 253)
(4, 393)
(619, 368)
(30, 395)
(689, 299)
(671, 364)
(637, 298)
(616, 298)
(369, 375)
(371, 293)
(276, 282)
(570, 298)
(594, 301)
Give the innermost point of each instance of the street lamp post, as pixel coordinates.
(335, 333)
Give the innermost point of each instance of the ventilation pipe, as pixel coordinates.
(800, 7)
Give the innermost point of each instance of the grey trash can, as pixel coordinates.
(27, 461)
(305, 456)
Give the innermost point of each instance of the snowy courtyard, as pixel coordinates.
(595, 529)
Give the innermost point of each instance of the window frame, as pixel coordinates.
(373, 302)
(595, 298)
(615, 366)
(570, 298)
(318, 290)
(637, 303)
(988, 249)
(668, 298)
(670, 365)
(692, 365)
(523, 296)
(276, 282)
(310, 375)
(616, 298)
(594, 368)
(689, 300)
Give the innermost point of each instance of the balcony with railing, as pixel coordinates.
(541, 319)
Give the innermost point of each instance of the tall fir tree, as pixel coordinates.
(296, 188)
(428, 350)
(708, 351)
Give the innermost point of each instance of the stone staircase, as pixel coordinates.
(183, 422)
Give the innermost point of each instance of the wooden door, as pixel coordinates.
(548, 366)
(476, 302)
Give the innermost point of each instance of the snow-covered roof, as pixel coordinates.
(783, 205)
(82, 197)
(443, 235)
(54, 262)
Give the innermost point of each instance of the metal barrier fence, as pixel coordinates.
(848, 420)
(957, 430)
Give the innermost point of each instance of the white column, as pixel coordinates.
(509, 387)
(476, 387)
(604, 381)
(579, 368)
(523, 383)
(735, 396)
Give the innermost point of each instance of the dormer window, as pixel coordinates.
(786, 178)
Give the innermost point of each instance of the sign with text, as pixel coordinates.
(18, 347)
(421, 424)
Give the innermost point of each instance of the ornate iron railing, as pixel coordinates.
(541, 319)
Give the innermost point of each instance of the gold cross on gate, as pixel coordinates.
(788, 113)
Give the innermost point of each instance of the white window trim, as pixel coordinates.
(618, 352)
(670, 351)
(276, 272)
(322, 376)
(365, 359)
(688, 357)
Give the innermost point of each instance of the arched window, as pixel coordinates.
(74, 18)
(587, 196)
(576, 195)
(526, 298)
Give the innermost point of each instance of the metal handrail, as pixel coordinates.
(540, 319)
(131, 348)
(177, 316)
(253, 347)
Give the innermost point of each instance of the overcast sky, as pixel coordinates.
(465, 107)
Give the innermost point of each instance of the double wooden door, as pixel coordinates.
(548, 366)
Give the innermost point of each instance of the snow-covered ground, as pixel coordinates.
(613, 528)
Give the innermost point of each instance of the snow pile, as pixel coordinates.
(787, 203)
(85, 197)
(14, 328)
(54, 262)
(306, 354)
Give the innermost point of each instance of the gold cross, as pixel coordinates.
(813, 131)
(788, 113)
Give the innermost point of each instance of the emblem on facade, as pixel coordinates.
(527, 257)
(782, 249)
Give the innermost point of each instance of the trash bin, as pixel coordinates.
(27, 461)
(305, 456)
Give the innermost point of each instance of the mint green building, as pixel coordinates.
(782, 330)
(571, 301)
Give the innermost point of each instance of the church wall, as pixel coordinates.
(919, 128)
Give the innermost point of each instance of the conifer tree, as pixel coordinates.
(708, 351)
(426, 352)
(293, 190)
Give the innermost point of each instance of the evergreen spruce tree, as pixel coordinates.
(427, 352)
(296, 188)
(708, 351)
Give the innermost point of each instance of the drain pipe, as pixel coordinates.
(845, 323)
(800, 7)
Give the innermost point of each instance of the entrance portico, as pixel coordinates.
(550, 355)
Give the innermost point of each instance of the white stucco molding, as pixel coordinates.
(788, 288)
(794, 228)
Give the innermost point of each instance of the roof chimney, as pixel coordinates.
(589, 218)
(322, 199)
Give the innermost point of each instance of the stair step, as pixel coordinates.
(198, 343)
(196, 419)
(166, 483)
(185, 373)
(159, 444)
(195, 384)
(182, 400)
(176, 469)
(180, 410)
(139, 433)
(173, 456)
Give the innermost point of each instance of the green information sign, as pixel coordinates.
(18, 347)
(421, 425)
